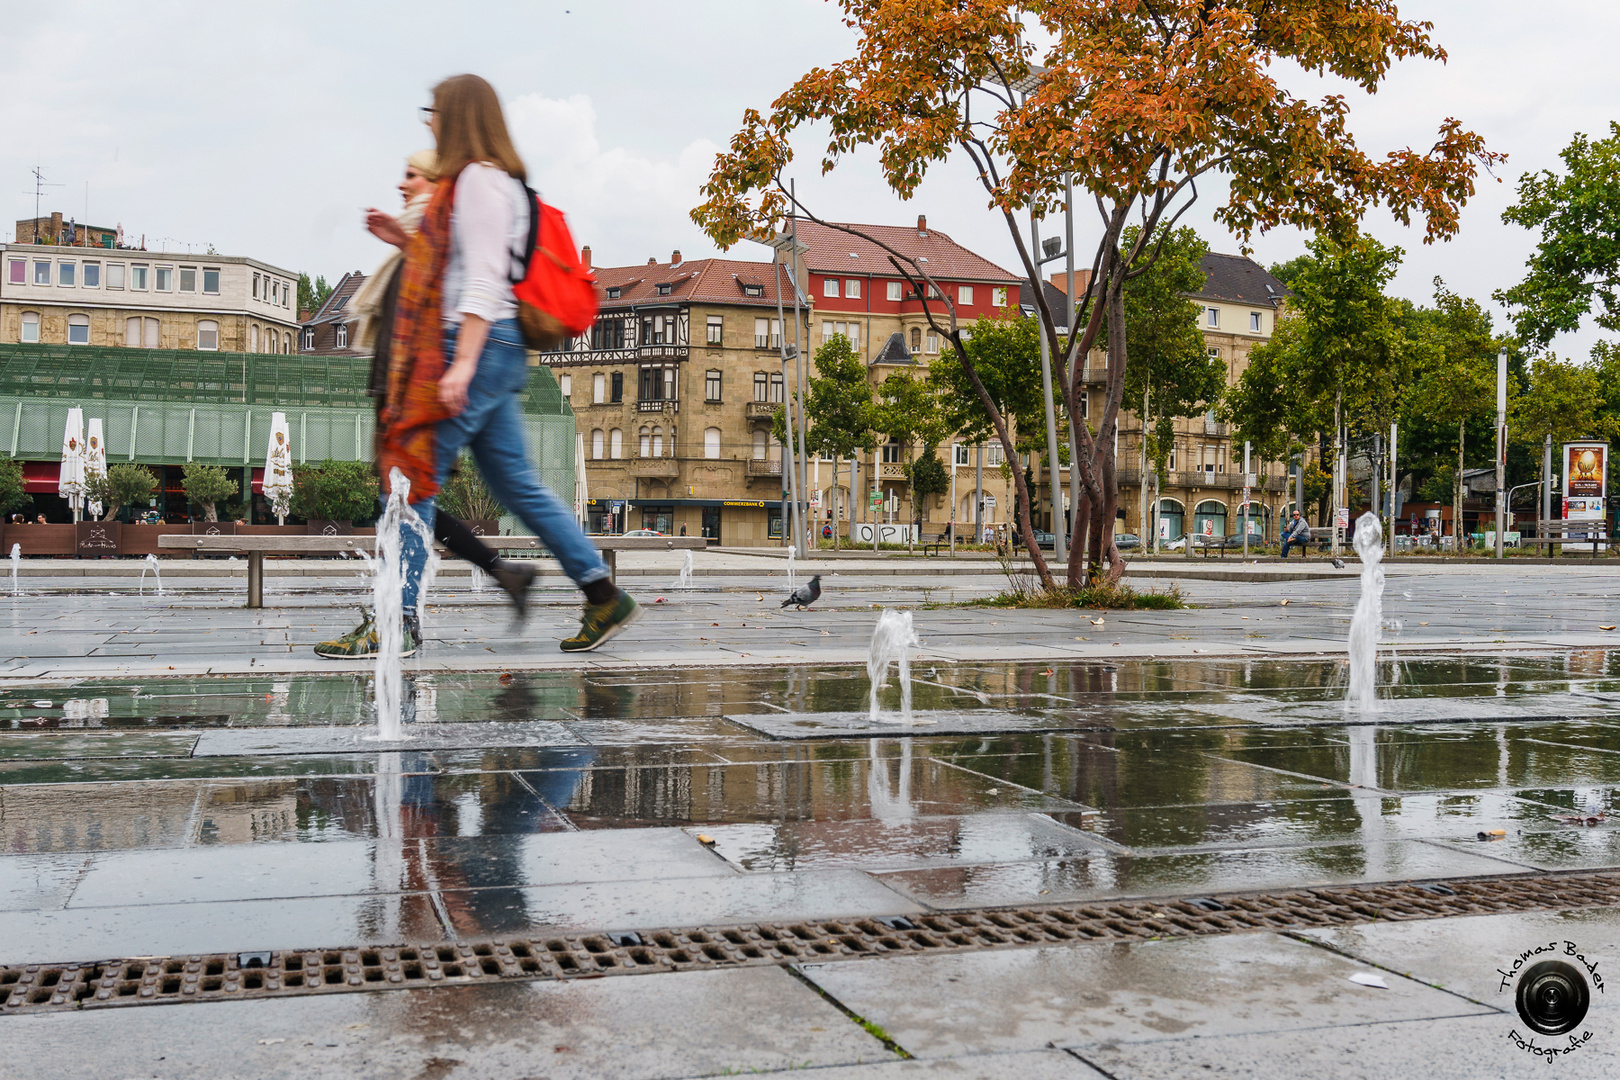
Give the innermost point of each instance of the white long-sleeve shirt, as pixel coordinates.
(489, 225)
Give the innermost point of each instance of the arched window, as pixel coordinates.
(207, 335)
(916, 339)
(309, 337)
(1209, 518)
(646, 441)
(711, 442)
(78, 329)
(760, 444)
(658, 441)
(286, 342)
(1172, 516)
(30, 327)
(615, 444)
(598, 388)
(596, 444)
(343, 335)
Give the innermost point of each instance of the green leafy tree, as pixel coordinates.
(12, 492)
(206, 485)
(1576, 265)
(1171, 373)
(839, 412)
(907, 412)
(335, 491)
(122, 485)
(311, 295)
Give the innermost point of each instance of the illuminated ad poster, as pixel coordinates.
(1586, 469)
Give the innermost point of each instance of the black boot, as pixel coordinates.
(515, 578)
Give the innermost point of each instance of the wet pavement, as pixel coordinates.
(150, 812)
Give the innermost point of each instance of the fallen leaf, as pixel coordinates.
(704, 838)
(714, 624)
(506, 677)
(1423, 624)
(1605, 628)
(1096, 622)
(1285, 603)
(762, 598)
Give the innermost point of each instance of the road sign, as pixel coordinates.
(989, 500)
(1342, 517)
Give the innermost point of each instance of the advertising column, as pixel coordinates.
(1586, 468)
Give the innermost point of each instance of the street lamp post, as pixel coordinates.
(1501, 448)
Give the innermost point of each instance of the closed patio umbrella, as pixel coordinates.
(278, 476)
(95, 459)
(70, 481)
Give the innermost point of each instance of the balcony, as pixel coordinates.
(657, 468)
(760, 467)
(657, 406)
(1214, 427)
(1200, 479)
(761, 410)
(891, 470)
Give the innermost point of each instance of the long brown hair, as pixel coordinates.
(472, 127)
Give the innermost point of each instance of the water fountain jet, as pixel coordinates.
(150, 564)
(1365, 624)
(388, 591)
(16, 561)
(684, 580)
(893, 639)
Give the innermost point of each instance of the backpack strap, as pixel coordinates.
(534, 231)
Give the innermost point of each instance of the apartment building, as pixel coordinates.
(57, 294)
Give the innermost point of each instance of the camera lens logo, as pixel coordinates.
(1552, 997)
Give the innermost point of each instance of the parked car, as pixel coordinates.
(1044, 539)
(1127, 541)
(645, 532)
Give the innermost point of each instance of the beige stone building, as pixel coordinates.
(56, 294)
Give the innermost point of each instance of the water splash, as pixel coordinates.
(16, 561)
(684, 581)
(480, 580)
(792, 551)
(150, 564)
(1362, 693)
(388, 591)
(892, 642)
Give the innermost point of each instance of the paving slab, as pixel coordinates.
(37, 882)
(1025, 1065)
(1028, 999)
(856, 725)
(1104, 874)
(28, 745)
(753, 1020)
(236, 742)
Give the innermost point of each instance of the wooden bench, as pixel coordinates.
(255, 548)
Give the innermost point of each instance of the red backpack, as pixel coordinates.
(557, 295)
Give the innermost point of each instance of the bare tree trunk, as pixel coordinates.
(1106, 432)
(1456, 491)
(210, 512)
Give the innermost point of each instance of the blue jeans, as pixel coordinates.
(492, 427)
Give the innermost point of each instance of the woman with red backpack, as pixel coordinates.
(458, 361)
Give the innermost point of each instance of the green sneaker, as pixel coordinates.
(602, 621)
(361, 643)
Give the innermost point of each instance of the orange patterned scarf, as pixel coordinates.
(411, 409)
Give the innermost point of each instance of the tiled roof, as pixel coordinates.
(1239, 278)
(336, 308)
(833, 252)
(711, 281)
(1055, 300)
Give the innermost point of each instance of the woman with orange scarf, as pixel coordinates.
(458, 362)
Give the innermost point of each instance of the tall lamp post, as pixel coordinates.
(1501, 449)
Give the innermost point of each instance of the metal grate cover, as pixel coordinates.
(33, 988)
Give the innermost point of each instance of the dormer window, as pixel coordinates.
(753, 290)
(663, 289)
(615, 292)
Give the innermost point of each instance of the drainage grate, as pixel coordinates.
(223, 976)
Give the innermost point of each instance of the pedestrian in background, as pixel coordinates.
(1297, 533)
(458, 362)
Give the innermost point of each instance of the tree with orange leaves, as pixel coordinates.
(1138, 101)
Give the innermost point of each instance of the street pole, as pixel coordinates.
(806, 542)
(1546, 490)
(978, 499)
(792, 524)
(1338, 467)
(1501, 450)
(1246, 510)
(1060, 550)
(1377, 496)
(1392, 475)
(953, 500)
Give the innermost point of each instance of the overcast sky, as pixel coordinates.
(264, 128)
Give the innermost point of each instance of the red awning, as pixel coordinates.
(258, 481)
(41, 476)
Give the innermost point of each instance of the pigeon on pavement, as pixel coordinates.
(805, 594)
(1338, 564)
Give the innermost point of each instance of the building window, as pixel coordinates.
(342, 335)
(1254, 322)
(761, 446)
(164, 279)
(652, 384)
(615, 292)
(207, 335)
(761, 385)
(618, 389)
(894, 290)
(891, 453)
(92, 275)
(30, 328)
(962, 454)
(78, 329)
(137, 276)
(1214, 318)
(608, 333)
(663, 289)
(717, 328)
(658, 441)
(711, 442)
(998, 297)
(916, 339)
(615, 444)
(188, 279)
(253, 339)
(711, 386)
(565, 383)
(852, 288)
(42, 272)
(830, 287)
(776, 388)
(211, 280)
(17, 272)
(309, 338)
(646, 441)
(933, 343)
(1214, 354)
(1085, 405)
(255, 286)
(65, 273)
(286, 295)
(964, 294)
(596, 444)
(141, 333)
(850, 330)
(767, 333)
(598, 389)
(993, 455)
(115, 275)
(1171, 465)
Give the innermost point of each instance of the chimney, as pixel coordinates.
(675, 259)
(1082, 280)
(652, 261)
(56, 226)
(922, 226)
(585, 256)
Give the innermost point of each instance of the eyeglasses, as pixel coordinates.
(427, 114)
